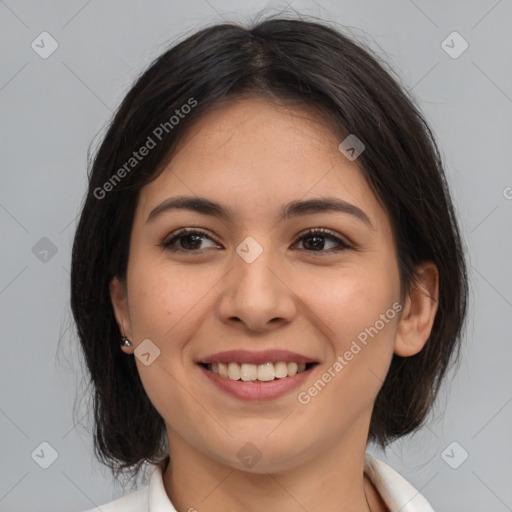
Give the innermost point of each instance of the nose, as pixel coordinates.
(256, 296)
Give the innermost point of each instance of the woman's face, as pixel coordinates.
(253, 281)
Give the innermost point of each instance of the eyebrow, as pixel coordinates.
(293, 209)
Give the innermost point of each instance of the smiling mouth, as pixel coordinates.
(265, 372)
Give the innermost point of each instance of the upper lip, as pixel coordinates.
(260, 357)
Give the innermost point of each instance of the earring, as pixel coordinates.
(125, 342)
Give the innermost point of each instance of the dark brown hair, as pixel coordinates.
(293, 62)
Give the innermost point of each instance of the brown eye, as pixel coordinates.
(185, 240)
(314, 241)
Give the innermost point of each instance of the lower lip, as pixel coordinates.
(257, 391)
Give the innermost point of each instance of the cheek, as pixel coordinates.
(352, 299)
(168, 305)
(161, 301)
(358, 308)
(159, 294)
(362, 328)
(153, 304)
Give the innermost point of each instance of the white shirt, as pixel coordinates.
(396, 492)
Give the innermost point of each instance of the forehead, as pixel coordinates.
(254, 156)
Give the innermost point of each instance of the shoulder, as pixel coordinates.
(396, 492)
(136, 501)
(151, 498)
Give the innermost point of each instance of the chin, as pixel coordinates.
(262, 454)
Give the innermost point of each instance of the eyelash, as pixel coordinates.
(325, 233)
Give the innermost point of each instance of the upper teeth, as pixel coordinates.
(263, 372)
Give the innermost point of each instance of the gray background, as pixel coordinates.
(53, 108)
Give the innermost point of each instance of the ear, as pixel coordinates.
(419, 311)
(119, 299)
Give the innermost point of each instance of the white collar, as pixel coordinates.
(396, 492)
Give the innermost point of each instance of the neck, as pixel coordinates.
(332, 481)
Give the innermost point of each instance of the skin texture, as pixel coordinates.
(253, 157)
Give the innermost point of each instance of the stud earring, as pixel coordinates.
(125, 342)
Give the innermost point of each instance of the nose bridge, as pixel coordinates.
(253, 293)
(252, 266)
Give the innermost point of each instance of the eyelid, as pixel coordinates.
(323, 231)
(185, 231)
(329, 234)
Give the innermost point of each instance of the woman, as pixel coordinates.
(267, 275)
